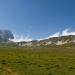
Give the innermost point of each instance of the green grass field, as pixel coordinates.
(37, 61)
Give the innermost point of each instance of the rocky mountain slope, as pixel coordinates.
(54, 41)
(58, 39)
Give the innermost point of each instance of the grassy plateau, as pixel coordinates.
(37, 61)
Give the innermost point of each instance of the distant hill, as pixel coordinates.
(5, 35)
(58, 41)
(54, 41)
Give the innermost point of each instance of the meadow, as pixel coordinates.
(37, 61)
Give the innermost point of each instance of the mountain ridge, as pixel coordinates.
(50, 41)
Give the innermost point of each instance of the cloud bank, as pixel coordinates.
(20, 38)
(5, 35)
(65, 32)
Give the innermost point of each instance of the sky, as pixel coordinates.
(37, 18)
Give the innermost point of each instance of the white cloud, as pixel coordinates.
(65, 32)
(20, 38)
(55, 35)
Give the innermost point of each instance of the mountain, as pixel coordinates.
(64, 39)
(5, 35)
(53, 41)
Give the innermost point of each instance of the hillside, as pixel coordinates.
(62, 40)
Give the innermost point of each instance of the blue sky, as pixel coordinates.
(37, 18)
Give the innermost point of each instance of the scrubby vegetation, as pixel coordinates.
(37, 61)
